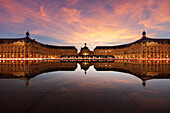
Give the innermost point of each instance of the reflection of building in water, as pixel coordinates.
(29, 69)
(29, 48)
(144, 70)
(142, 48)
(85, 66)
(26, 70)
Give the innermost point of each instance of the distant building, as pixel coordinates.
(85, 51)
(143, 48)
(29, 48)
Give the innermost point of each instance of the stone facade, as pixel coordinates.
(29, 48)
(85, 51)
(144, 48)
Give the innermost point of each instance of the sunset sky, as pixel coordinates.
(74, 22)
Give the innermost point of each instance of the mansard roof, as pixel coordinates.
(11, 40)
(85, 47)
(28, 39)
(142, 40)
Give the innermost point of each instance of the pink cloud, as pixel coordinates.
(42, 11)
(77, 22)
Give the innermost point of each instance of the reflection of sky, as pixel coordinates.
(75, 86)
(94, 78)
(74, 22)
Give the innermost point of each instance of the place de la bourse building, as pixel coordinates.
(144, 48)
